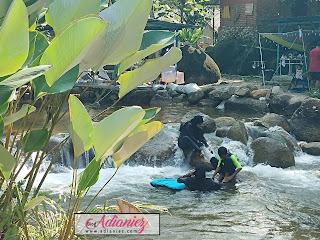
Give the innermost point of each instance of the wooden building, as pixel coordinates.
(266, 14)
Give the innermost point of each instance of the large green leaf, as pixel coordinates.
(135, 141)
(34, 9)
(9, 85)
(127, 20)
(41, 45)
(4, 6)
(152, 41)
(35, 140)
(148, 72)
(63, 12)
(3, 108)
(69, 48)
(81, 126)
(25, 110)
(32, 41)
(114, 128)
(7, 162)
(34, 202)
(63, 84)
(149, 114)
(89, 176)
(1, 126)
(14, 38)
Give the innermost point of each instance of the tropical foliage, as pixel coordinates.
(196, 12)
(190, 35)
(87, 36)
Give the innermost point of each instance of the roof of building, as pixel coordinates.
(155, 24)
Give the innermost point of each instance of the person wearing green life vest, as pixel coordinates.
(227, 166)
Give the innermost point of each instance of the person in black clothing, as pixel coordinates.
(191, 135)
(196, 180)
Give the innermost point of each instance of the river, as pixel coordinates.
(265, 203)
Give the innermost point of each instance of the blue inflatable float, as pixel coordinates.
(170, 183)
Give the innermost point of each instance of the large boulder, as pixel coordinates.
(208, 124)
(272, 119)
(198, 67)
(158, 149)
(246, 104)
(285, 104)
(221, 93)
(312, 148)
(225, 121)
(245, 89)
(222, 132)
(290, 141)
(195, 97)
(271, 152)
(140, 97)
(207, 88)
(196, 159)
(305, 121)
(279, 135)
(238, 132)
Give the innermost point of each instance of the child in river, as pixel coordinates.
(227, 166)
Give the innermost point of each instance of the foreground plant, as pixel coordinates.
(84, 39)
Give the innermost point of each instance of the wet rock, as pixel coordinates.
(225, 121)
(272, 119)
(213, 141)
(195, 97)
(305, 121)
(238, 132)
(158, 149)
(208, 103)
(207, 89)
(290, 141)
(259, 93)
(222, 132)
(180, 99)
(139, 97)
(173, 94)
(245, 89)
(271, 152)
(198, 67)
(196, 159)
(65, 156)
(276, 90)
(221, 94)
(246, 104)
(255, 132)
(312, 148)
(279, 135)
(163, 93)
(208, 124)
(285, 104)
(159, 101)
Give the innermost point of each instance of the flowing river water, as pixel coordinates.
(265, 203)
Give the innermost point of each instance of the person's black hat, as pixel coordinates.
(200, 171)
(197, 119)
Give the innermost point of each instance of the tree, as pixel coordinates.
(196, 12)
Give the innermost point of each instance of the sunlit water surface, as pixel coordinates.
(265, 203)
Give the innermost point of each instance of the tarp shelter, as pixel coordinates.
(301, 40)
(291, 39)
